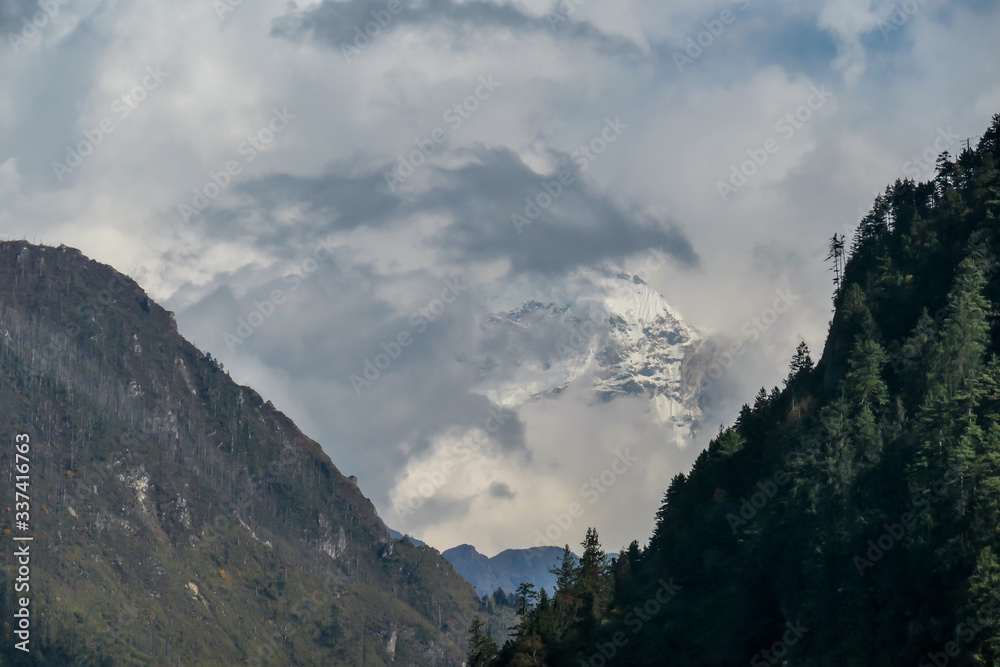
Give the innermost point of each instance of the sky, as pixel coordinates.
(305, 184)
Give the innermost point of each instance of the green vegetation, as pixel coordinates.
(178, 518)
(850, 517)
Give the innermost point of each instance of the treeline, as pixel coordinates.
(850, 516)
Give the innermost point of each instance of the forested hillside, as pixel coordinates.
(851, 516)
(178, 518)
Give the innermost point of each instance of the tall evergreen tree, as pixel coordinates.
(482, 649)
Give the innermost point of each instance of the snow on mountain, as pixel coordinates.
(606, 328)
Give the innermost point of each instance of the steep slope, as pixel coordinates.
(177, 517)
(507, 569)
(853, 516)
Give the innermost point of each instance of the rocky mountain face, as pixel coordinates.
(178, 518)
(507, 569)
(606, 329)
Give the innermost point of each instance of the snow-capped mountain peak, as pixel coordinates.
(606, 328)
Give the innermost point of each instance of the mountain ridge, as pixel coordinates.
(165, 481)
(850, 516)
(603, 326)
(507, 569)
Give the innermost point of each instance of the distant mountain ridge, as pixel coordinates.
(396, 535)
(507, 569)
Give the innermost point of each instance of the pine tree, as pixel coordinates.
(482, 649)
(670, 504)
(525, 598)
(955, 367)
(593, 565)
(984, 607)
(592, 580)
(801, 365)
(864, 383)
(565, 577)
(949, 435)
(837, 256)
(945, 170)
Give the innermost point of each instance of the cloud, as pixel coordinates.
(501, 490)
(451, 219)
(340, 23)
(344, 319)
(478, 199)
(13, 12)
(848, 21)
(583, 226)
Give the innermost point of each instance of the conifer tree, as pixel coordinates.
(801, 363)
(984, 606)
(482, 649)
(565, 578)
